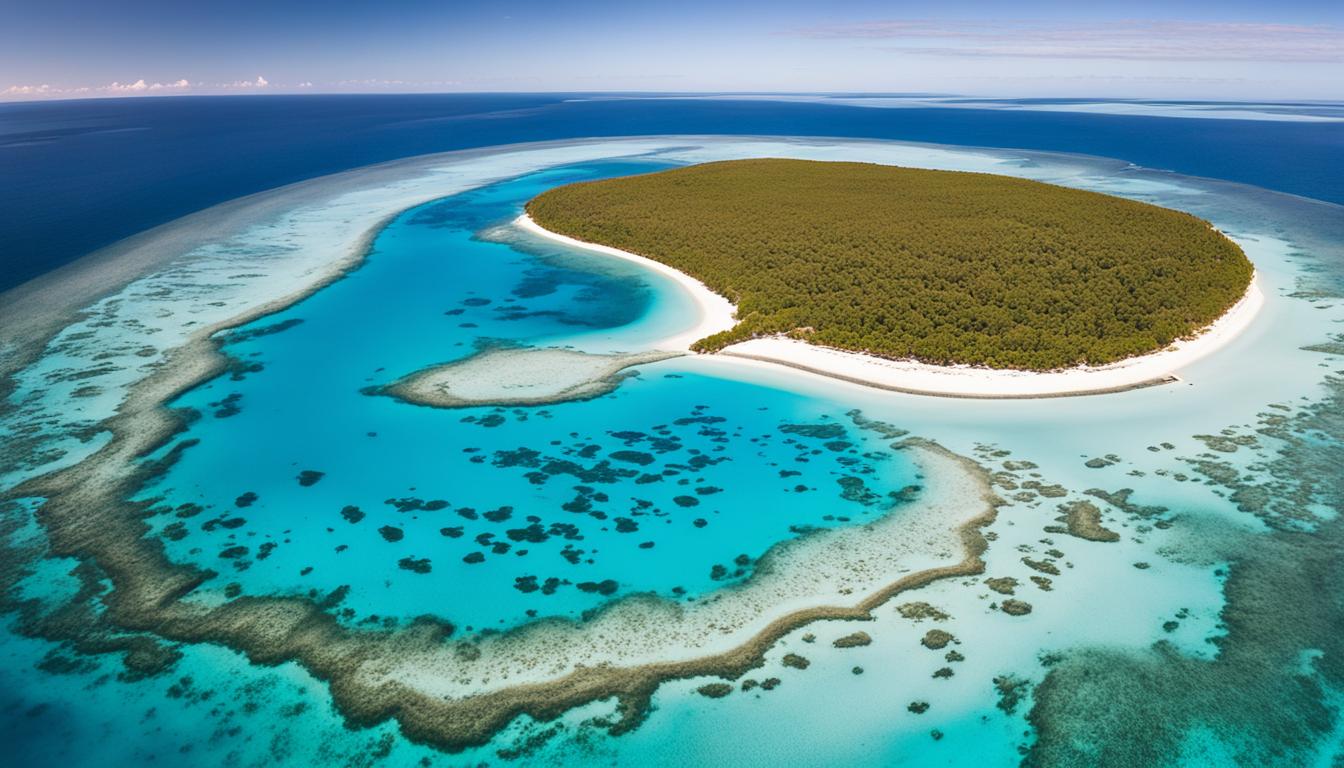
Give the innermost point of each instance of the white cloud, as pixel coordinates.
(260, 82)
(305, 84)
(28, 90)
(178, 85)
(138, 85)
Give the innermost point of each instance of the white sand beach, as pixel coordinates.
(909, 376)
(716, 312)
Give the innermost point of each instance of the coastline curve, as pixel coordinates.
(960, 381)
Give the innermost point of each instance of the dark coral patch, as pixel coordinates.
(604, 587)
(818, 431)
(310, 477)
(415, 565)
(633, 457)
(499, 515)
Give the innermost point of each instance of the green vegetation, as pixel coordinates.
(939, 266)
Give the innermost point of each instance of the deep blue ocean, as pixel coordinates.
(154, 160)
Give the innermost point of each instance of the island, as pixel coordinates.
(875, 265)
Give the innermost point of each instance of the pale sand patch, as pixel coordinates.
(525, 376)
(918, 378)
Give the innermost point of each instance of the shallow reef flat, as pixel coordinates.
(509, 377)
(90, 332)
(840, 573)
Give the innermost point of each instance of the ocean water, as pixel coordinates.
(1206, 634)
(154, 160)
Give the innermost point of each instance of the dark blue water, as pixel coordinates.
(78, 175)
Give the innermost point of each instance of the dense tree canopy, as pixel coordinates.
(939, 266)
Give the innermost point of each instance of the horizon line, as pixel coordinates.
(670, 93)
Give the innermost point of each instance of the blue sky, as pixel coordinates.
(1287, 49)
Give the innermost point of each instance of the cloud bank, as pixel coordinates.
(139, 87)
(1139, 40)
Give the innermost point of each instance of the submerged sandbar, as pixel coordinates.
(519, 376)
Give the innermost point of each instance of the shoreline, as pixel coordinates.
(716, 312)
(956, 381)
(916, 378)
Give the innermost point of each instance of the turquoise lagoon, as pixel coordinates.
(675, 484)
(1224, 489)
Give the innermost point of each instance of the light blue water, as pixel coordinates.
(489, 516)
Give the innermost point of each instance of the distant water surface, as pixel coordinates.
(78, 175)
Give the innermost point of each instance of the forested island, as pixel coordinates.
(938, 266)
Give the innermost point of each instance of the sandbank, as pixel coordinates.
(522, 376)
